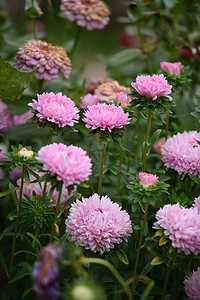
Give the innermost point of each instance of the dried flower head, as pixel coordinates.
(192, 286)
(172, 68)
(181, 152)
(95, 82)
(106, 91)
(97, 223)
(147, 179)
(50, 59)
(92, 14)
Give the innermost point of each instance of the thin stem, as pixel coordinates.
(168, 273)
(34, 29)
(37, 231)
(140, 241)
(55, 216)
(119, 170)
(146, 141)
(49, 142)
(16, 230)
(40, 84)
(77, 38)
(167, 125)
(101, 170)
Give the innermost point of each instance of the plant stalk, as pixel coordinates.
(167, 125)
(119, 170)
(146, 141)
(168, 273)
(77, 38)
(101, 170)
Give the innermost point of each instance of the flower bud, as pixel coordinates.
(25, 153)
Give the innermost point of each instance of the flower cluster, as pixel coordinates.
(47, 58)
(92, 14)
(192, 286)
(181, 152)
(70, 164)
(181, 225)
(172, 68)
(97, 223)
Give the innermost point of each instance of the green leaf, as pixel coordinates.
(35, 240)
(25, 265)
(2, 260)
(4, 193)
(147, 290)
(155, 136)
(25, 251)
(12, 81)
(25, 131)
(22, 273)
(124, 57)
(121, 255)
(157, 261)
(26, 292)
(32, 9)
(27, 177)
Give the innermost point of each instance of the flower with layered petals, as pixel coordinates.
(92, 14)
(181, 225)
(105, 117)
(147, 179)
(70, 164)
(197, 204)
(181, 152)
(152, 86)
(97, 223)
(88, 100)
(47, 58)
(172, 68)
(106, 91)
(192, 286)
(122, 98)
(55, 108)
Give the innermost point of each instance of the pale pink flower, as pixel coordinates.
(70, 164)
(3, 151)
(197, 204)
(5, 118)
(152, 86)
(56, 108)
(158, 145)
(21, 119)
(15, 174)
(105, 117)
(122, 98)
(88, 100)
(192, 286)
(92, 14)
(147, 179)
(181, 152)
(97, 223)
(47, 58)
(172, 68)
(181, 225)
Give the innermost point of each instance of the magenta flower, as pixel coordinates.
(92, 14)
(172, 68)
(152, 86)
(97, 223)
(21, 119)
(192, 286)
(105, 117)
(50, 60)
(122, 98)
(5, 118)
(55, 108)
(88, 100)
(70, 164)
(181, 225)
(147, 179)
(197, 204)
(181, 152)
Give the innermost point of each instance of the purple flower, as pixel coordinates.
(50, 60)
(192, 286)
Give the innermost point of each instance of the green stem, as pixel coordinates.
(49, 142)
(16, 230)
(101, 170)
(56, 215)
(142, 47)
(140, 242)
(40, 84)
(168, 273)
(146, 141)
(34, 29)
(37, 231)
(113, 270)
(77, 38)
(119, 170)
(167, 125)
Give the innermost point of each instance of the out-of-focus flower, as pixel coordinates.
(97, 223)
(181, 225)
(21, 119)
(158, 145)
(181, 152)
(172, 68)
(70, 164)
(197, 204)
(106, 91)
(50, 59)
(105, 117)
(95, 82)
(192, 286)
(152, 86)
(187, 53)
(25, 152)
(128, 41)
(3, 150)
(92, 14)
(2, 174)
(5, 118)
(45, 273)
(88, 100)
(15, 174)
(122, 98)
(147, 179)
(55, 108)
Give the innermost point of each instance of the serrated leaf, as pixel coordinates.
(12, 81)
(157, 261)
(122, 255)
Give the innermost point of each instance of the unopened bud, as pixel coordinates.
(25, 153)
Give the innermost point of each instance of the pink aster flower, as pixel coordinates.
(181, 225)
(147, 179)
(92, 14)
(3, 151)
(88, 100)
(56, 108)
(197, 204)
(5, 118)
(50, 60)
(181, 152)
(69, 163)
(105, 116)
(192, 286)
(21, 119)
(97, 223)
(122, 98)
(172, 68)
(152, 86)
